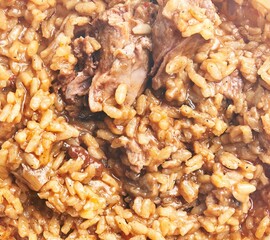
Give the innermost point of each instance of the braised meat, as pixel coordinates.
(182, 41)
(7, 130)
(74, 86)
(163, 29)
(78, 83)
(186, 47)
(124, 37)
(247, 13)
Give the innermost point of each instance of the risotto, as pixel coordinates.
(134, 119)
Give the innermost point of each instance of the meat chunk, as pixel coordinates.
(33, 178)
(185, 39)
(135, 155)
(124, 56)
(78, 86)
(231, 86)
(78, 82)
(265, 194)
(74, 86)
(145, 186)
(7, 130)
(163, 29)
(248, 13)
(187, 47)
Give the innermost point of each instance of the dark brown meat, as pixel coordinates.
(265, 195)
(135, 155)
(186, 47)
(163, 29)
(134, 183)
(241, 15)
(167, 39)
(124, 54)
(7, 130)
(78, 86)
(73, 89)
(145, 186)
(231, 87)
(78, 83)
(74, 86)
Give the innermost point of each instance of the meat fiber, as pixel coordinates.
(123, 32)
(168, 39)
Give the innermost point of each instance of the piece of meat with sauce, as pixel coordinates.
(248, 13)
(7, 131)
(33, 178)
(163, 29)
(74, 87)
(145, 186)
(78, 82)
(124, 36)
(135, 155)
(187, 47)
(231, 86)
(166, 27)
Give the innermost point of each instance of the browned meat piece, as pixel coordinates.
(244, 14)
(265, 195)
(125, 45)
(187, 47)
(33, 178)
(163, 29)
(74, 86)
(7, 130)
(132, 153)
(73, 89)
(135, 183)
(231, 87)
(145, 186)
(135, 155)
(78, 83)
(168, 40)
(78, 86)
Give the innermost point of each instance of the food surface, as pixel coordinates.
(134, 120)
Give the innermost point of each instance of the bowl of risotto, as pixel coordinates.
(134, 120)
